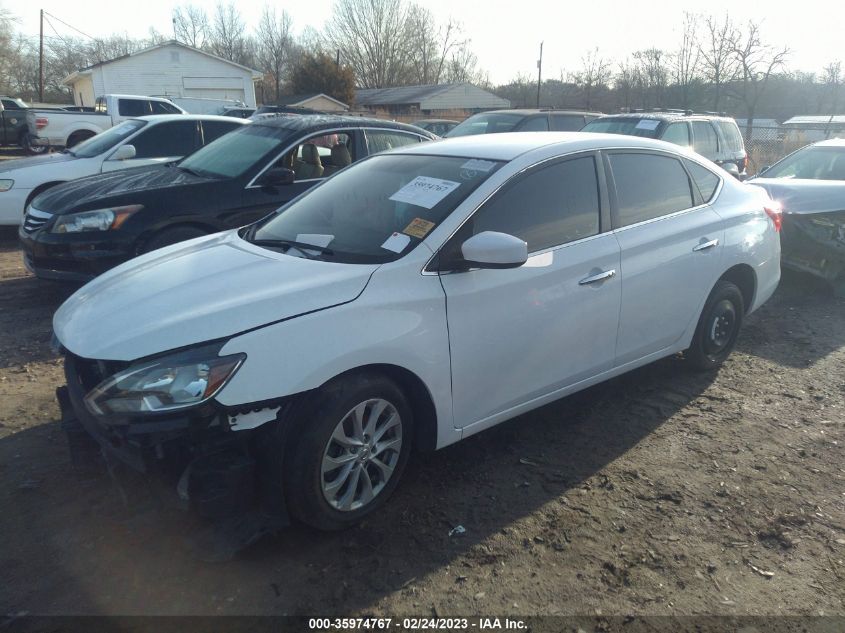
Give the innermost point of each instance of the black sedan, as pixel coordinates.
(80, 229)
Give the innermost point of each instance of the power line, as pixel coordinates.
(70, 27)
(56, 32)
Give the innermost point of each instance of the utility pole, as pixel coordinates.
(41, 61)
(539, 73)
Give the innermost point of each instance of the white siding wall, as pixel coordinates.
(159, 72)
(83, 91)
(321, 103)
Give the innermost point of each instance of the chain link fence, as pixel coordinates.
(767, 145)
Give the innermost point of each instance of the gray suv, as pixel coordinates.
(715, 137)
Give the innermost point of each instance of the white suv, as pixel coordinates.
(412, 299)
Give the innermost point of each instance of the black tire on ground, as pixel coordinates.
(718, 328)
(310, 440)
(29, 148)
(172, 236)
(77, 137)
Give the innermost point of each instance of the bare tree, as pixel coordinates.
(227, 35)
(595, 74)
(687, 60)
(652, 76)
(832, 82)
(274, 45)
(718, 60)
(624, 83)
(371, 35)
(190, 25)
(432, 46)
(756, 61)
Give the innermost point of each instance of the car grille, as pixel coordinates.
(35, 219)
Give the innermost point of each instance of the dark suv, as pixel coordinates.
(523, 121)
(715, 137)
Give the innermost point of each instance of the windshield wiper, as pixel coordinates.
(67, 151)
(300, 246)
(191, 171)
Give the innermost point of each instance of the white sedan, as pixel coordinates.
(411, 300)
(148, 140)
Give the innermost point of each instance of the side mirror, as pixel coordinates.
(276, 176)
(491, 249)
(124, 152)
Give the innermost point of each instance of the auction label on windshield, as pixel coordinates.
(648, 124)
(424, 191)
(418, 228)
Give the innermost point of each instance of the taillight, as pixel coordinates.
(775, 212)
(744, 164)
(41, 122)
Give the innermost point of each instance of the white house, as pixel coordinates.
(168, 69)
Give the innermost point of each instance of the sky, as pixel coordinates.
(505, 34)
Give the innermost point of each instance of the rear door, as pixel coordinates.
(159, 144)
(671, 243)
(705, 141)
(519, 334)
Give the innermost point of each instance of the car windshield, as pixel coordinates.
(815, 163)
(104, 141)
(374, 211)
(233, 154)
(632, 127)
(486, 124)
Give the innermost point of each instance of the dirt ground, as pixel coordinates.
(661, 492)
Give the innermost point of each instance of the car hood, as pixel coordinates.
(80, 194)
(201, 290)
(802, 196)
(23, 163)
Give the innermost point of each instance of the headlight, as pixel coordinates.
(97, 220)
(5, 185)
(173, 382)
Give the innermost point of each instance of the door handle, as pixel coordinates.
(705, 245)
(592, 279)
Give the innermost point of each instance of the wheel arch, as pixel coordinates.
(145, 237)
(41, 189)
(744, 277)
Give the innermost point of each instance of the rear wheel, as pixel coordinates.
(27, 145)
(718, 328)
(77, 137)
(347, 451)
(172, 236)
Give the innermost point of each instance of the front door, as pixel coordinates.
(519, 334)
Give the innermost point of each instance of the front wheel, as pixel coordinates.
(718, 328)
(347, 451)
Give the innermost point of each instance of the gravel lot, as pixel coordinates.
(661, 492)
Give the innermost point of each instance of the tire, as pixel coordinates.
(34, 150)
(172, 236)
(320, 471)
(718, 328)
(77, 137)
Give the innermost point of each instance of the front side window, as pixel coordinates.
(9, 104)
(319, 156)
(173, 138)
(375, 211)
(383, 140)
(706, 142)
(133, 107)
(232, 155)
(677, 133)
(648, 186)
(567, 122)
(546, 207)
(486, 124)
(104, 141)
(212, 130)
(162, 107)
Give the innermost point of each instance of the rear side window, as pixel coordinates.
(534, 124)
(383, 140)
(567, 122)
(547, 207)
(215, 129)
(706, 142)
(648, 186)
(174, 138)
(677, 133)
(8, 104)
(161, 107)
(133, 107)
(706, 181)
(730, 132)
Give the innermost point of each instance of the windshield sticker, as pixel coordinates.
(418, 227)
(475, 164)
(648, 124)
(396, 242)
(315, 239)
(425, 192)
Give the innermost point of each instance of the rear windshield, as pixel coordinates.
(233, 154)
(632, 127)
(486, 124)
(104, 141)
(814, 163)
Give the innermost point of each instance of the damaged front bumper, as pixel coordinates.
(815, 243)
(223, 475)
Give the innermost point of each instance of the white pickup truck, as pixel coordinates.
(58, 128)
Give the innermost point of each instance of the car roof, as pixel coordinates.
(665, 116)
(119, 96)
(527, 111)
(312, 122)
(434, 121)
(159, 118)
(508, 145)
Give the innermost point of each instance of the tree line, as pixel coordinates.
(717, 64)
